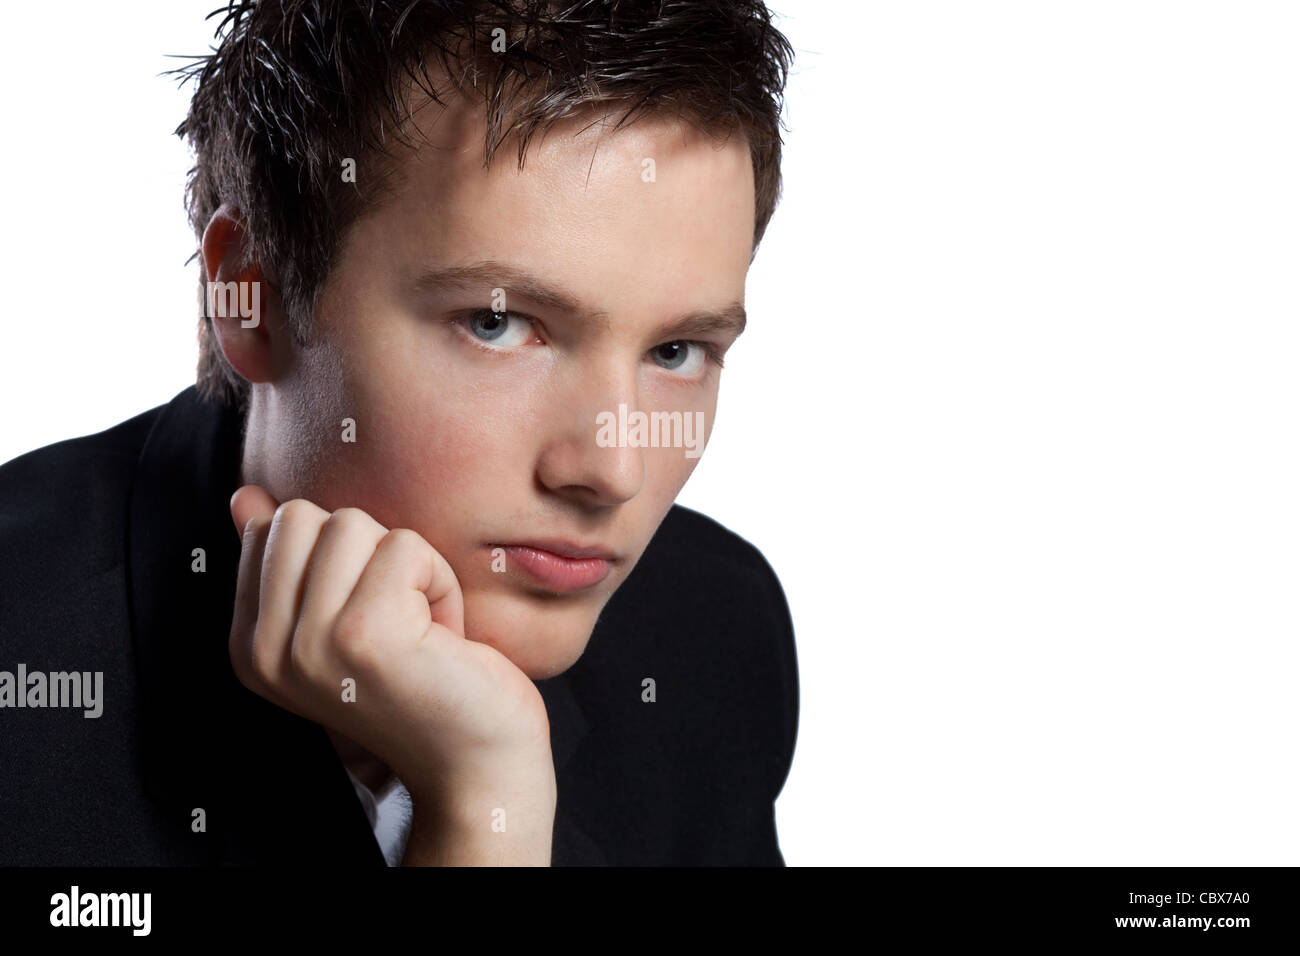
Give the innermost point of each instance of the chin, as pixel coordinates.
(542, 637)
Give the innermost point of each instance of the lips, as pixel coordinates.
(561, 565)
(565, 549)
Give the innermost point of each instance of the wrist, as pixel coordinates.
(486, 820)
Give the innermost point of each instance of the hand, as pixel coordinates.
(324, 597)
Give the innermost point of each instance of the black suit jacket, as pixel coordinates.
(97, 536)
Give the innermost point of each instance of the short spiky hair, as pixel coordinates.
(295, 87)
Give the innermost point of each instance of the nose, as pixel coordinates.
(573, 464)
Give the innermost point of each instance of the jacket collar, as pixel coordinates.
(269, 782)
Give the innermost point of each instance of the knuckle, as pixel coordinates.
(238, 663)
(255, 527)
(354, 636)
(349, 519)
(260, 662)
(409, 549)
(407, 544)
(293, 510)
(300, 657)
(350, 513)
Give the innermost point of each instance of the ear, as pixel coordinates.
(246, 311)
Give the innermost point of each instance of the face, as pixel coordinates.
(482, 328)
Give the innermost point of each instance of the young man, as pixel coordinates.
(412, 534)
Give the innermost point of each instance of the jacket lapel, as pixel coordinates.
(270, 783)
(571, 846)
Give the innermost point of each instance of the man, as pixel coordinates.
(411, 532)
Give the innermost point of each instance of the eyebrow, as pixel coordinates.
(731, 318)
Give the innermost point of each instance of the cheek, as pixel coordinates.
(437, 438)
(430, 462)
(440, 458)
(667, 470)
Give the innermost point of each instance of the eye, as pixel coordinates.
(683, 357)
(502, 330)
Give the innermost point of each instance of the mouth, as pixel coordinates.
(560, 566)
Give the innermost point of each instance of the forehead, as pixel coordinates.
(657, 203)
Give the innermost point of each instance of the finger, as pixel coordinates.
(345, 546)
(407, 574)
(290, 541)
(251, 501)
(247, 595)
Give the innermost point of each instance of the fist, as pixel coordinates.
(361, 629)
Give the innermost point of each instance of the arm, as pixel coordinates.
(361, 629)
(505, 824)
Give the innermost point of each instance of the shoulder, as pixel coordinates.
(750, 611)
(728, 578)
(705, 611)
(72, 493)
(707, 545)
(64, 462)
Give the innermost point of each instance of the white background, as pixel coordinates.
(1015, 419)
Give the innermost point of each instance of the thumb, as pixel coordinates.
(249, 502)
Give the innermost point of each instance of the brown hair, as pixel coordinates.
(295, 87)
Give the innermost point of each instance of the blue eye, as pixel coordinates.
(684, 357)
(497, 328)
